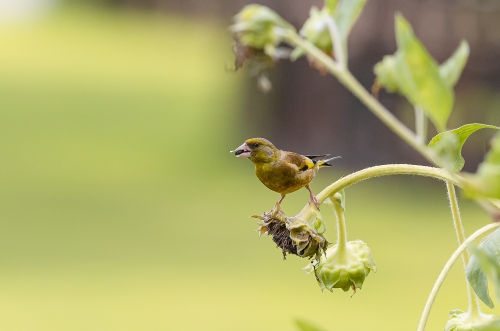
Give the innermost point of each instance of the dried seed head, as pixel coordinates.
(292, 234)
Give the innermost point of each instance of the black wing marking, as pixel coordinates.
(304, 168)
(316, 156)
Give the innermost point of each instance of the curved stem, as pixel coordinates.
(385, 170)
(457, 220)
(446, 269)
(379, 171)
(420, 125)
(341, 228)
(474, 309)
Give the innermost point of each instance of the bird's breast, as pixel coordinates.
(283, 178)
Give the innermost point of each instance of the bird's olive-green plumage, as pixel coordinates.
(281, 171)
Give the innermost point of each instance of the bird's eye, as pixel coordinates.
(256, 145)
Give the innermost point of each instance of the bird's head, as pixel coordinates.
(257, 150)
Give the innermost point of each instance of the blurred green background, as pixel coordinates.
(122, 209)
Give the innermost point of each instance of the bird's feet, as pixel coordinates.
(314, 200)
(312, 197)
(282, 197)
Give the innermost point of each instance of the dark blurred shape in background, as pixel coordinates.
(305, 109)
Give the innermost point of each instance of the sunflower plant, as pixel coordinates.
(263, 37)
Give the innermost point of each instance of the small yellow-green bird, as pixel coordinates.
(281, 171)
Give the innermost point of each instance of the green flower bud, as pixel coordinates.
(343, 268)
(292, 234)
(259, 27)
(463, 321)
(316, 29)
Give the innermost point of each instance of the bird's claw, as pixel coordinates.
(315, 201)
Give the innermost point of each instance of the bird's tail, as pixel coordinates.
(324, 163)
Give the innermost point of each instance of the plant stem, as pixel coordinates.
(379, 171)
(346, 78)
(338, 49)
(385, 115)
(474, 309)
(341, 228)
(420, 125)
(385, 170)
(446, 269)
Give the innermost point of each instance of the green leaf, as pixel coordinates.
(485, 261)
(420, 76)
(451, 70)
(486, 181)
(346, 14)
(476, 275)
(448, 145)
(306, 326)
(412, 72)
(331, 5)
(478, 281)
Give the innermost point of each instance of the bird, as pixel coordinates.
(281, 171)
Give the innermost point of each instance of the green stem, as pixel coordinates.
(454, 257)
(346, 78)
(385, 170)
(474, 309)
(338, 49)
(341, 228)
(379, 171)
(420, 125)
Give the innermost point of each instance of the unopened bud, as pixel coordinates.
(343, 268)
(316, 29)
(464, 321)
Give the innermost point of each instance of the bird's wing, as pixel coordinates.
(303, 163)
(316, 156)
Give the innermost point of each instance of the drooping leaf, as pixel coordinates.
(412, 72)
(451, 69)
(306, 326)
(486, 181)
(485, 261)
(448, 145)
(491, 267)
(478, 281)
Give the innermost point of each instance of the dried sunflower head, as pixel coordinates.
(292, 234)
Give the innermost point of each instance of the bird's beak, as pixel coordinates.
(242, 151)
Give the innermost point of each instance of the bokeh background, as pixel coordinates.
(121, 208)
